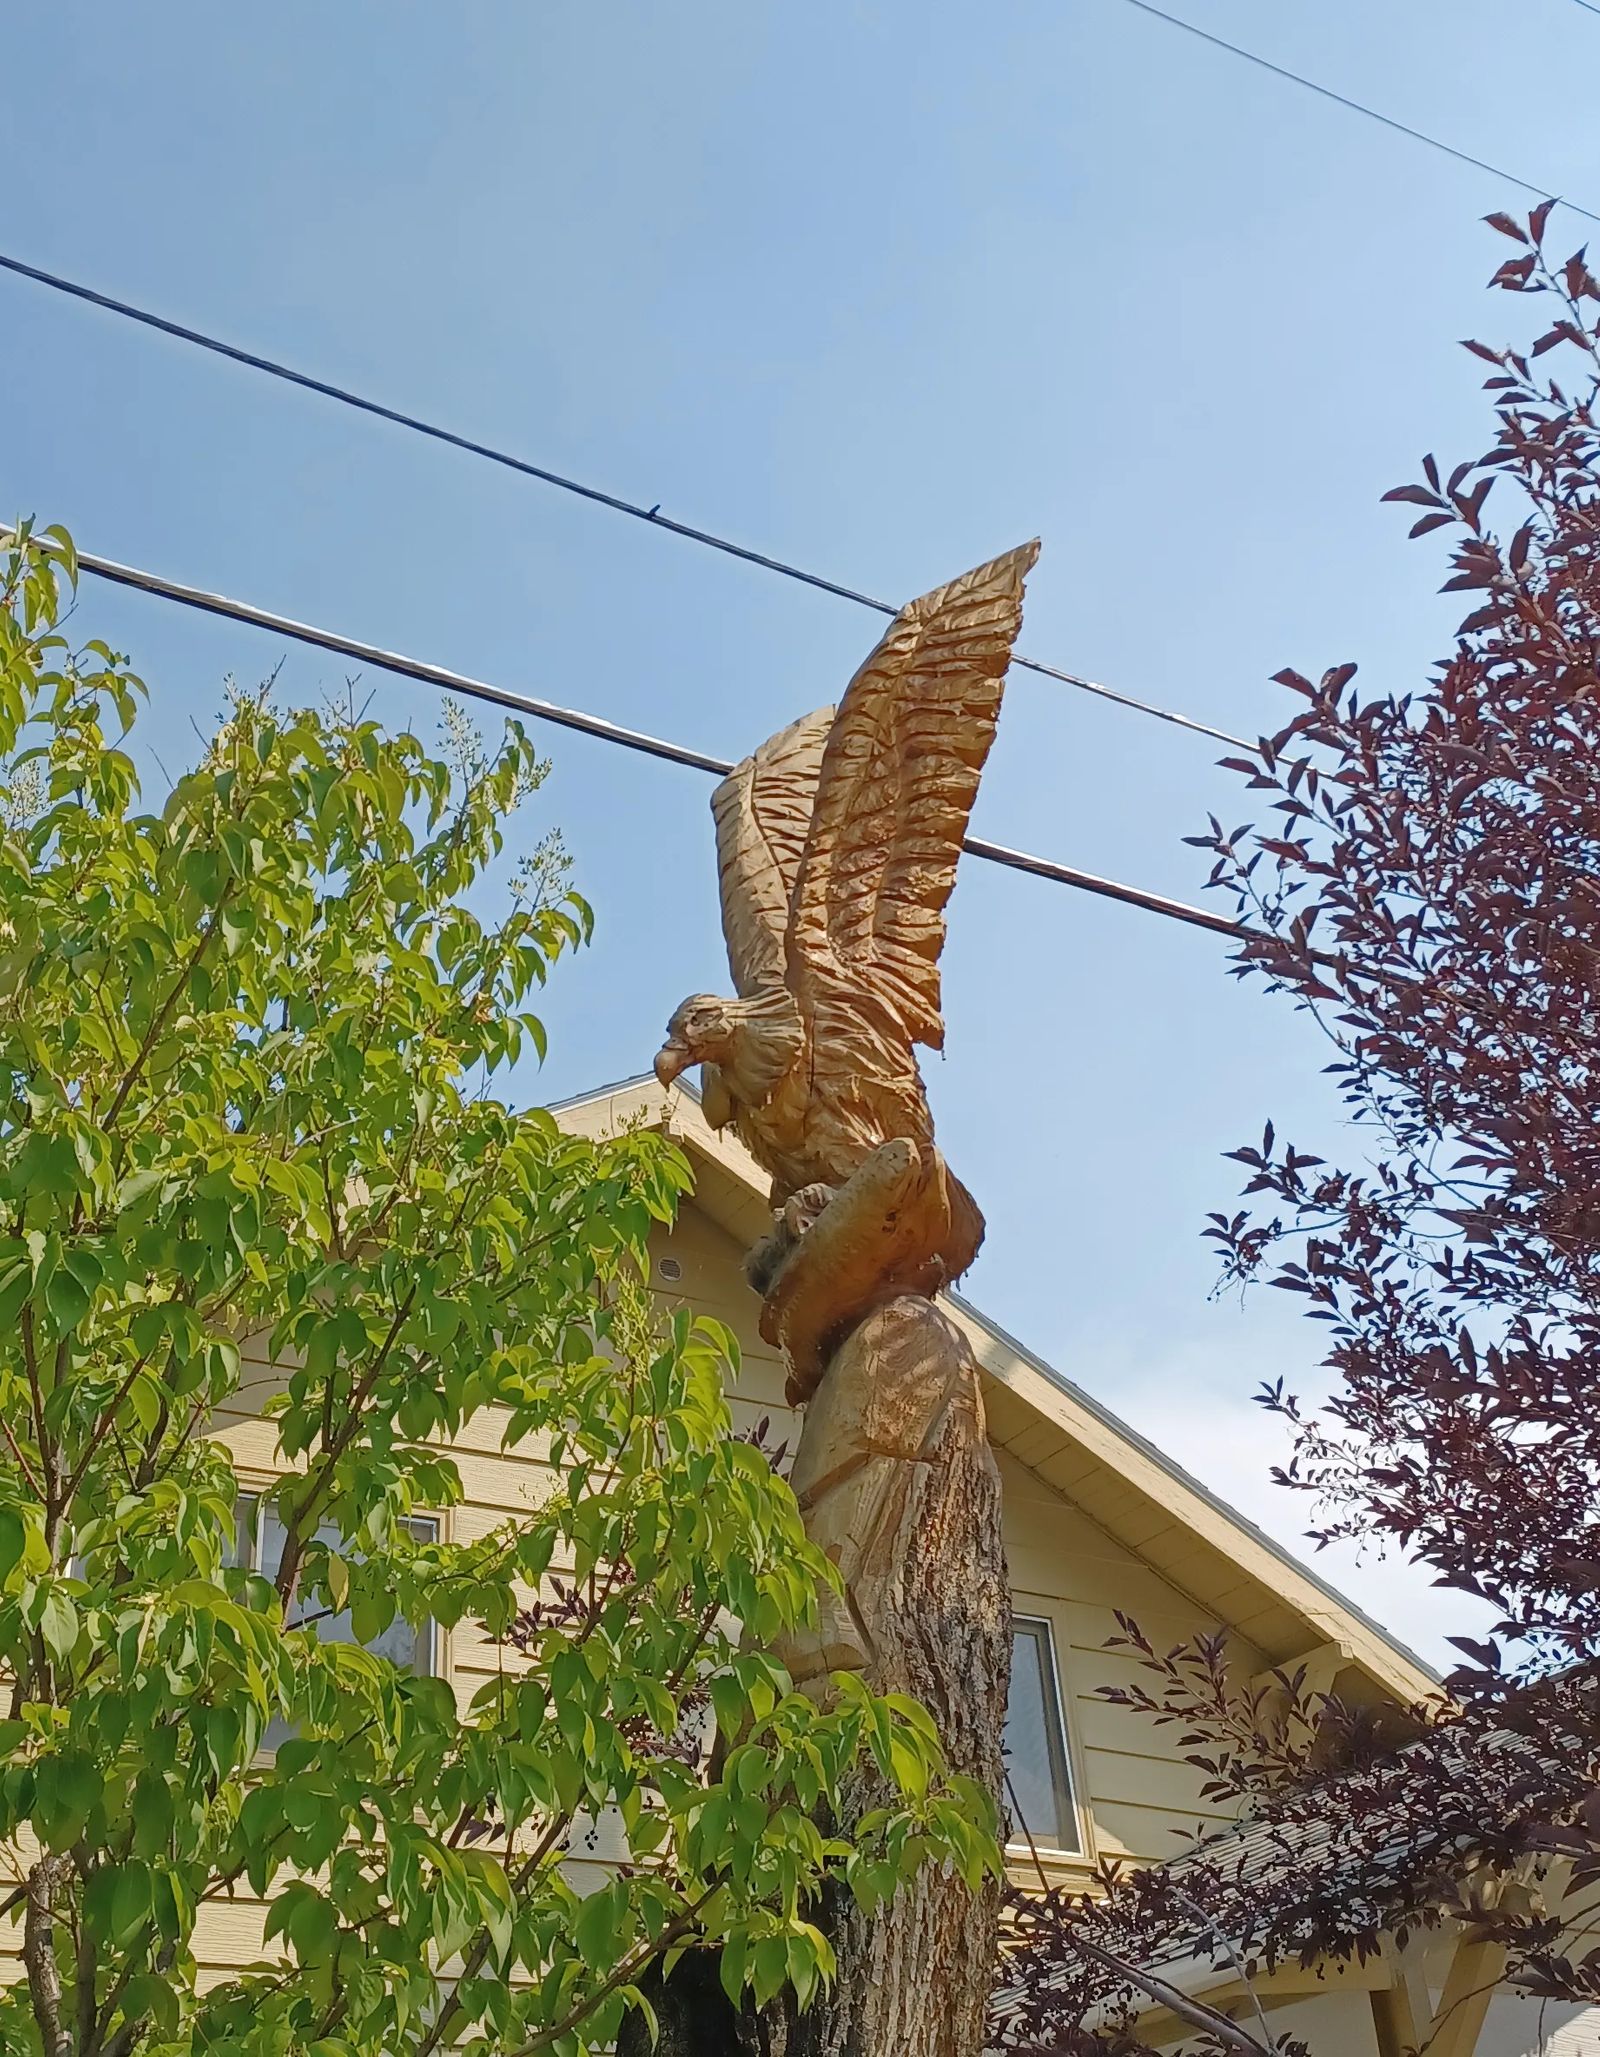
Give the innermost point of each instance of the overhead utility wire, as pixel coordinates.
(636, 509)
(604, 731)
(1359, 106)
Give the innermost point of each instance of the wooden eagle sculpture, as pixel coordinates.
(837, 844)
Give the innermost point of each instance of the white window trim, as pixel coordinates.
(1055, 1856)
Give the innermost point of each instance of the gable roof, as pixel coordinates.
(1199, 1544)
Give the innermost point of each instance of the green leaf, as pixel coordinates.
(67, 1789)
(149, 1997)
(66, 1298)
(13, 1540)
(597, 1930)
(800, 1962)
(58, 1624)
(638, 2003)
(728, 1702)
(769, 1968)
(152, 1815)
(15, 1287)
(307, 1919)
(734, 1964)
(130, 1902)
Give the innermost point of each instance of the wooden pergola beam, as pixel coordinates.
(1406, 2022)
(1402, 2011)
(1477, 1966)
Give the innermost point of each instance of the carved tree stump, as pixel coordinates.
(898, 1484)
(837, 845)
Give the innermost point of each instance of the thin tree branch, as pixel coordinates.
(625, 1974)
(1195, 2012)
(158, 1020)
(22, 1463)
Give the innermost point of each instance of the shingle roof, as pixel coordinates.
(1290, 1888)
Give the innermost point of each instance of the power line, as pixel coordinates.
(604, 731)
(707, 538)
(635, 509)
(1359, 107)
(1589, 6)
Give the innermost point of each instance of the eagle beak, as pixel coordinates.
(671, 1059)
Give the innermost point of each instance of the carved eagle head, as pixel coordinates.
(700, 1032)
(751, 1043)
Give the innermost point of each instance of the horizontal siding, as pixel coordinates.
(1136, 1793)
(1142, 1835)
(1138, 1779)
(1140, 1799)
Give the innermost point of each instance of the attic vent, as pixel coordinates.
(670, 1268)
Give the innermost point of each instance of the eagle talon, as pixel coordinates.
(791, 1224)
(801, 1210)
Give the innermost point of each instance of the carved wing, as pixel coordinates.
(898, 778)
(763, 814)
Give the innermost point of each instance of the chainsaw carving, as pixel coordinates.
(837, 845)
(838, 842)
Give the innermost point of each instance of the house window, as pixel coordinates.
(1038, 1768)
(259, 1547)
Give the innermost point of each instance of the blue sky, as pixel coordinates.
(882, 289)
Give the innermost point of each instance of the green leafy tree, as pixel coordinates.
(246, 1043)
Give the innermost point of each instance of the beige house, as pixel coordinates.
(1097, 1521)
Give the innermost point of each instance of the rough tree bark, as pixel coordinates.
(48, 1877)
(898, 1484)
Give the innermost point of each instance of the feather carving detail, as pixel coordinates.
(837, 845)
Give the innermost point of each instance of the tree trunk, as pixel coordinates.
(897, 1483)
(49, 1876)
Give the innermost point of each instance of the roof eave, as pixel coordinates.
(740, 1204)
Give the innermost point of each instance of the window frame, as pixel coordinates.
(1079, 1853)
(254, 1485)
